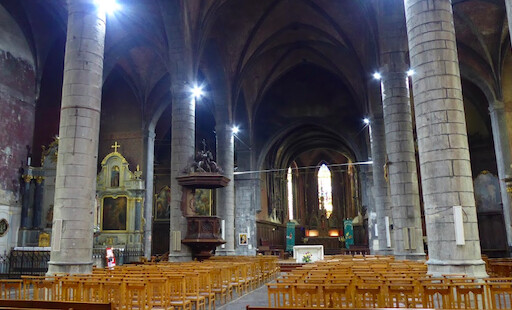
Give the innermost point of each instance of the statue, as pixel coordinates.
(203, 162)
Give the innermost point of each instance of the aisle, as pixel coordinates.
(258, 297)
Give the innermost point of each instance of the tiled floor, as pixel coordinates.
(257, 297)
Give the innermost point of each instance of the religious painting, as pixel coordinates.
(487, 192)
(114, 213)
(203, 201)
(242, 239)
(163, 204)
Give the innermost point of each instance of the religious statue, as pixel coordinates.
(203, 162)
(114, 177)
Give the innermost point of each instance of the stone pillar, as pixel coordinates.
(182, 152)
(148, 201)
(503, 161)
(75, 184)
(138, 213)
(402, 175)
(247, 189)
(380, 185)
(508, 5)
(26, 221)
(38, 203)
(366, 179)
(442, 140)
(226, 195)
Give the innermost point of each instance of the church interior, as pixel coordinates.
(377, 127)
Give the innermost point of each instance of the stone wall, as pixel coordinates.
(17, 107)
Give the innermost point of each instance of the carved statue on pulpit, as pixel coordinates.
(203, 162)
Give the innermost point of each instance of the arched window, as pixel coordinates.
(289, 179)
(325, 189)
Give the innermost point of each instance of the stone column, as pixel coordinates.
(442, 140)
(26, 221)
(182, 152)
(38, 203)
(508, 6)
(380, 185)
(402, 175)
(503, 161)
(148, 201)
(138, 213)
(366, 179)
(75, 183)
(226, 195)
(247, 189)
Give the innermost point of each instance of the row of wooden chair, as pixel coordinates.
(377, 283)
(153, 285)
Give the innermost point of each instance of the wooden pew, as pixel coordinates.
(39, 304)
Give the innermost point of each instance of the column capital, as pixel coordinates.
(151, 134)
(496, 106)
(224, 126)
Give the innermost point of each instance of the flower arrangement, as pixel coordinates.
(306, 258)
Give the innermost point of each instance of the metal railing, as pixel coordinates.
(123, 256)
(35, 263)
(18, 263)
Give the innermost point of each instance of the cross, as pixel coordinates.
(116, 146)
(137, 173)
(204, 145)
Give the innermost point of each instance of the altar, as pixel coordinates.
(316, 251)
(120, 198)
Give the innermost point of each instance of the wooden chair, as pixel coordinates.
(437, 295)
(307, 295)
(279, 295)
(11, 289)
(219, 288)
(401, 295)
(92, 290)
(470, 296)
(368, 295)
(176, 289)
(157, 293)
(337, 295)
(113, 292)
(44, 289)
(205, 288)
(135, 294)
(71, 290)
(499, 293)
(192, 291)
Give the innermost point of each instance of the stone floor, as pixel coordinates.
(257, 297)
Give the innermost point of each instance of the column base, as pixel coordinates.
(384, 252)
(471, 268)
(224, 252)
(180, 257)
(55, 268)
(410, 256)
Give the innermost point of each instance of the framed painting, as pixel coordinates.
(203, 201)
(163, 204)
(242, 239)
(114, 213)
